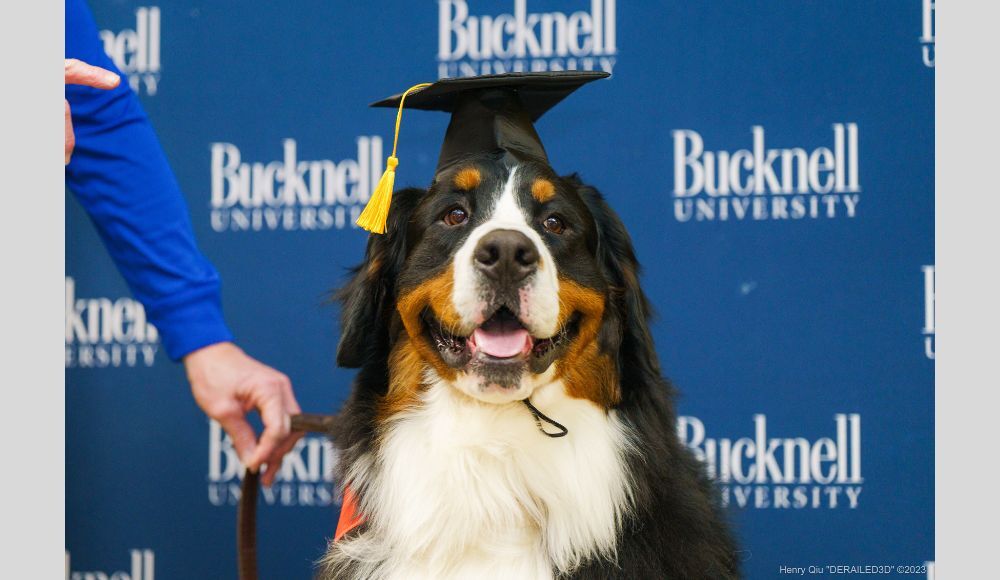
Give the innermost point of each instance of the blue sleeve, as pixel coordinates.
(121, 177)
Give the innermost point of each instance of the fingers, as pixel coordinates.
(70, 137)
(227, 384)
(242, 434)
(274, 460)
(271, 405)
(81, 73)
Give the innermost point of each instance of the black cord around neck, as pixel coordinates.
(539, 417)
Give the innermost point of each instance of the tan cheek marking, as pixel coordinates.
(406, 369)
(468, 179)
(586, 371)
(435, 293)
(542, 189)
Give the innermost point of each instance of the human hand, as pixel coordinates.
(81, 73)
(227, 383)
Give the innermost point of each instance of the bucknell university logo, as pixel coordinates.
(766, 184)
(137, 52)
(101, 332)
(766, 472)
(290, 194)
(305, 478)
(524, 41)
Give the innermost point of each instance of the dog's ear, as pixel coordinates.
(368, 299)
(625, 329)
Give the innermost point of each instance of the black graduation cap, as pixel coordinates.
(488, 113)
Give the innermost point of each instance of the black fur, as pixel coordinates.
(677, 530)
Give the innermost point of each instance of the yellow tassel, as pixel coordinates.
(376, 213)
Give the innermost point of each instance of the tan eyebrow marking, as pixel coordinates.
(542, 189)
(468, 179)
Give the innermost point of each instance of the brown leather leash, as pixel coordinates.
(246, 513)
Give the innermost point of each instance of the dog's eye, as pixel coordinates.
(456, 216)
(554, 224)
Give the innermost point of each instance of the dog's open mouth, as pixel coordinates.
(502, 340)
(501, 337)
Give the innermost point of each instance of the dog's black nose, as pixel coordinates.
(506, 256)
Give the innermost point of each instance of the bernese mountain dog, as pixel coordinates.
(510, 419)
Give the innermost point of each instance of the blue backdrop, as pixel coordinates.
(773, 160)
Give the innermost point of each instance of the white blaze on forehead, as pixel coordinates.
(539, 297)
(507, 212)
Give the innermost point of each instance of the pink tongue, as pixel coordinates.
(501, 343)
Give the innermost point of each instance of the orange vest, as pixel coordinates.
(350, 516)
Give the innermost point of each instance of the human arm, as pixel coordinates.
(120, 175)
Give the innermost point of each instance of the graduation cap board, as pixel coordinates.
(488, 113)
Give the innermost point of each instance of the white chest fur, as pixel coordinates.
(465, 489)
